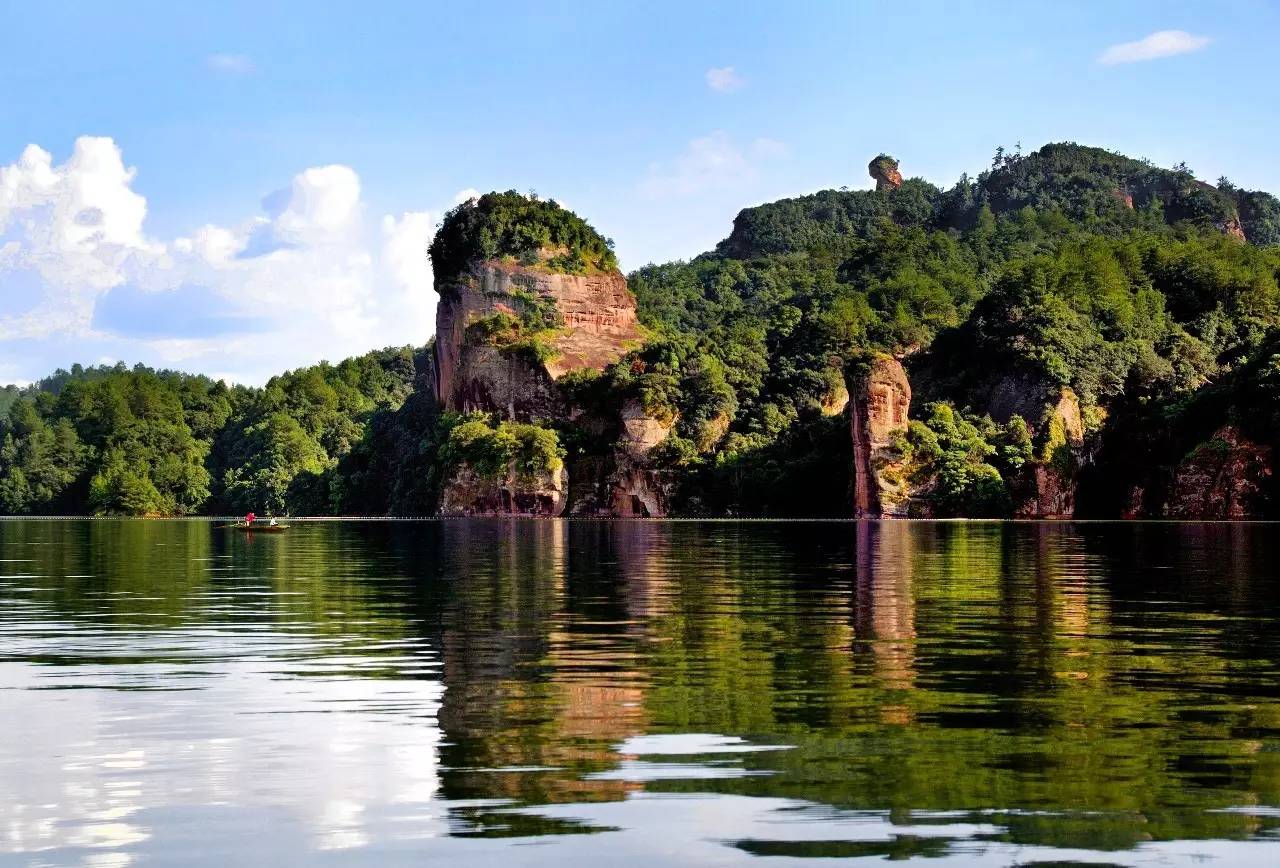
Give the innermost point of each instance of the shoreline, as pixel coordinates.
(322, 519)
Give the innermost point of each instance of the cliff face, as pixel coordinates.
(1226, 477)
(1017, 395)
(590, 322)
(1047, 488)
(989, 332)
(879, 402)
(637, 489)
(595, 324)
(467, 493)
(1182, 200)
(626, 484)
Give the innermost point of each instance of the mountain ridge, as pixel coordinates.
(1077, 332)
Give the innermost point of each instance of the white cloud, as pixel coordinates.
(304, 279)
(405, 241)
(1162, 43)
(712, 162)
(466, 195)
(76, 226)
(406, 268)
(321, 203)
(232, 64)
(724, 79)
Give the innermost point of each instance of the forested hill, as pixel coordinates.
(1093, 190)
(134, 441)
(1149, 296)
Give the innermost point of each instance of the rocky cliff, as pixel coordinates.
(732, 400)
(1225, 477)
(468, 493)
(505, 334)
(1046, 488)
(885, 170)
(879, 403)
(626, 483)
(580, 321)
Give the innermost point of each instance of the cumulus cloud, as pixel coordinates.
(712, 162)
(232, 64)
(466, 195)
(321, 205)
(405, 267)
(1162, 43)
(77, 226)
(304, 279)
(322, 202)
(724, 79)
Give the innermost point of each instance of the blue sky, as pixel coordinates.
(253, 181)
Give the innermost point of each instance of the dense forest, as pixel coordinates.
(524, 228)
(1152, 296)
(133, 441)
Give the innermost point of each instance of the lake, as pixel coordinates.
(505, 692)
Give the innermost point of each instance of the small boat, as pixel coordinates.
(256, 527)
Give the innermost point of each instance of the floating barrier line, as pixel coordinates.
(319, 519)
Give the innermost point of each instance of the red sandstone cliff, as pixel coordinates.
(594, 325)
(879, 401)
(885, 170)
(597, 325)
(626, 483)
(1047, 488)
(467, 493)
(1222, 478)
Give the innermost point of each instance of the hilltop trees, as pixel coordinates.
(498, 225)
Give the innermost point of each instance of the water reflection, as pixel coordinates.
(663, 693)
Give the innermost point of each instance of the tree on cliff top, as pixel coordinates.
(506, 224)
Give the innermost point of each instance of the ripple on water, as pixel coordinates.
(639, 694)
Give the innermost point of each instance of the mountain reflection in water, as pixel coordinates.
(639, 693)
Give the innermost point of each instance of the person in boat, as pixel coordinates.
(249, 519)
(271, 522)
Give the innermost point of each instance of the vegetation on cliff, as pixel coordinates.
(963, 463)
(528, 332)
(1071, 267)
(498, 450)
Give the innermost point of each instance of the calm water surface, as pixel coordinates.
(639, 693)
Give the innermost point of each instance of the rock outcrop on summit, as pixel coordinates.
(884, 169)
